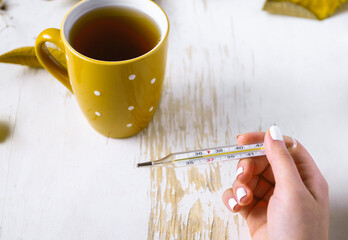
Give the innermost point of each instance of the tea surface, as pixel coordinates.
(114, 34)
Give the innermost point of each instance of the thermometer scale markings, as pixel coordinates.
(200, 154)
(238, 152)
(208, 155)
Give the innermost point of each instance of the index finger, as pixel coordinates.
(257, 165)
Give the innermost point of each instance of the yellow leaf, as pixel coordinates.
(26, 56)
(314, 9)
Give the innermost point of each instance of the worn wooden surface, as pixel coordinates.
(232, 68)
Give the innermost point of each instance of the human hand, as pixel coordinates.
(281, 195)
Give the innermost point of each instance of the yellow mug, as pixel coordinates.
(118, 98)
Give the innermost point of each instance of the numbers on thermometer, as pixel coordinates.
(220, 150)
(190, 162)
(198, 154)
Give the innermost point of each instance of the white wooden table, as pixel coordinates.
(232, 68)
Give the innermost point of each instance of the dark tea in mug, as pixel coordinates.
(114, 34)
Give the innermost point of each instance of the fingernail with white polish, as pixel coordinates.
(240, 193)
(232, 202)
(239, 171)
(276, 134)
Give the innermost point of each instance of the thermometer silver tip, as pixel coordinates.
(144, 164)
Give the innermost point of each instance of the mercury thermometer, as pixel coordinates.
(210, 155)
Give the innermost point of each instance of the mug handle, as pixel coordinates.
(47, 60)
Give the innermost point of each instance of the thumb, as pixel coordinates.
(283, 166)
